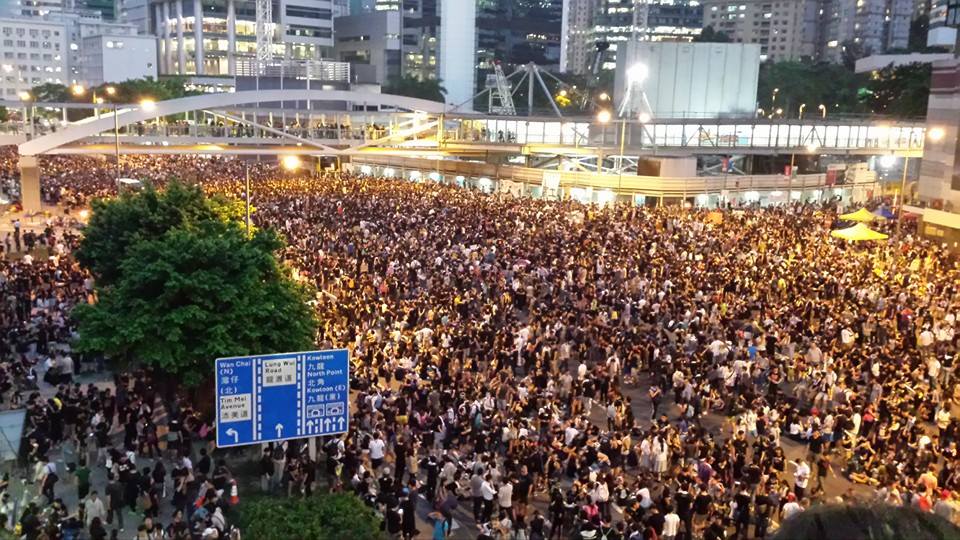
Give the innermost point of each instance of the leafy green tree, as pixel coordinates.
(431, 89)
(900, 91)
(711, 35)
(185, 286)
(51, 92)
(321, 517)
(832, 85)
(117, 224)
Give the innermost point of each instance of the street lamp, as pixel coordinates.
(78, 90)
(773, 98)
(148, 104)
(761, 112)
(779, 111)
(637, 73)
(823, 110)
(291, 162)
(604, 96)
(111, 90)
(25, 98)
(603, 116)
(936, 134)
(800, 114)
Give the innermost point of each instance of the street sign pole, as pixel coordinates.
(278, 397)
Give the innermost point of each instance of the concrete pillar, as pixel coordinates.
(158, 31)
(231, 37)
(167, 38)
(30, 183)
(198, 35)
(181, 50)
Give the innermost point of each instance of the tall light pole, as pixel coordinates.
(903, 190)
(800, 114)
(246, 169)
(773, 98)
(823, 110)
(26, 98)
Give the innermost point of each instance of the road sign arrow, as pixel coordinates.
(279, 428)
(326, 424)
(340, 422)
(235, 435)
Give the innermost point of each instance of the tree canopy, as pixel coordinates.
(313, 518)
(896, 91)
(179, 284)
(431, 89)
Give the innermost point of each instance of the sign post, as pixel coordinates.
(277, 397)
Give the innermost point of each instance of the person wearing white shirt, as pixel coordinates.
(800, 477)
(792, 507)
(488, 493)
(671, 525)
(505, 496)
(377, 448)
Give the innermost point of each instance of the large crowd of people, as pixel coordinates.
(524, 369)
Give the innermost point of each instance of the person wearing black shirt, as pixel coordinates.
(701, 511)
(204, 464)
(763, 506)
(741, 515)
(684, 502)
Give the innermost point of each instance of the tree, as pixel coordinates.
(319, 517)
(710, 35)
(185, 285)
(832, 85)
(899, 91)
(51, 92)
(431, 89)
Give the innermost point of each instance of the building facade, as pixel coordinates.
(370, 42)
(616, 22)
(114, 58)
(870, 26)
(302, 30)
(32, 52)
(784, 29)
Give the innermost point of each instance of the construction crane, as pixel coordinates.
(500, 93)
(264, 34)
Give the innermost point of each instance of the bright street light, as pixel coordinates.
(563, 93)
(604, 96)
(25, 96)
(812, 147)
(887, 161)
(111, 90)
(78, 90)
(802, 107)
(603, 116)
(644, 117)
(148, 104)
(637, 73)
(936, 134)
(290, 163)
(823, 110)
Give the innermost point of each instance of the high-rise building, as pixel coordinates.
(370, 42)
(33, 52)
(516, 32)
(588, 22)
(70, 47)
(785, 29)
(872, 26)
(302, 30)
(940, 35)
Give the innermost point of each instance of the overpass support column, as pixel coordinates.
(30, 183)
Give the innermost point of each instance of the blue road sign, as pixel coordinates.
(276, 397)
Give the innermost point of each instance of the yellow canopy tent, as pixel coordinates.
(857, 233)
(860, 215)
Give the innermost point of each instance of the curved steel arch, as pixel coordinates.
(82, 130)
